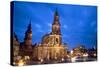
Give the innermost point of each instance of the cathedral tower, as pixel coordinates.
(28, 35)
(56, 24)
(26, 46)
(55, 36)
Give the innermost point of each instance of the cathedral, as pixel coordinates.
(51, 46)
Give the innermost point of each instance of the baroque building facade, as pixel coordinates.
(51, 46)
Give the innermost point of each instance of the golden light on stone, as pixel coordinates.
(21, 62)
(27, 57)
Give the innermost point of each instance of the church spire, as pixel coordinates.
(28, 33)
(56, 13)
(56, 17)
(56, 24)
(29, 27)
(15, 36)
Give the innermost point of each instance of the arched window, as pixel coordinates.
(56, 40)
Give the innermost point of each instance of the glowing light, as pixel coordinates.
(41, 60)
(71, 52)
(95, 54)
(27, 57)
(20, 63)
(14, 63)
(62, 59)
(73, 59)
(85, 55)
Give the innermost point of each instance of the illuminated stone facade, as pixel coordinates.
(16, 45)
(51, 46)
(26, 48)
(15, 52)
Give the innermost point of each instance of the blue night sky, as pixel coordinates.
(78, 23)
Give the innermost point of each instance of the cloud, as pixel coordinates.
(39, 28)
(65, 26)
(41, 31)
(49, 24)
(37, 25)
